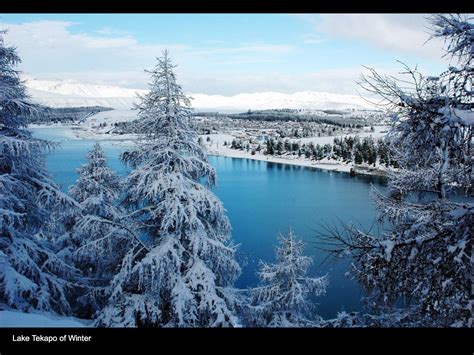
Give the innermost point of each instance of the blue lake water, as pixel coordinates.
(262, 200)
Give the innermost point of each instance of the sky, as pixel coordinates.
(223, 54)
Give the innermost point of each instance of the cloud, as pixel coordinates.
(406, 33)
(252, 48)
(337, 81)
(342, 81)
(55, 48)
(51, 47)
(313, 38)
(108, 31)
(130, 79)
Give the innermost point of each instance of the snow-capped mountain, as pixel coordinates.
(69, 93)
(275, 100)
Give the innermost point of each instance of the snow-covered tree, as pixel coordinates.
(183, 274)
(390, 318)
(96, 190)
(32, 276)
(426, 256)
(97, 241)
(285, 298)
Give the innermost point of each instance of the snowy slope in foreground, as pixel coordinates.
(23, 320)
(68, 93)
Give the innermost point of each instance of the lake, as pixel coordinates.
(262, 200)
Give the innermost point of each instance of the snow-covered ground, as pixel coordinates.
(216, 147)
(23, 320)
(94, 129)
(115, 139)
(111, 117)
(379, 132)
(70, 93)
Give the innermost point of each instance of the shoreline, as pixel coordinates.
(333, 167)
(74, 132)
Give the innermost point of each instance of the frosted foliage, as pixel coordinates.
(31, 274)
(458, 33)
(392, 318)
(102, 240)
(183, 275)
(426, 257)
(97, 186)
(285, 297)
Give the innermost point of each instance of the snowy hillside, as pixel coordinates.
(111, 117)
(275, 100)
(68, 93)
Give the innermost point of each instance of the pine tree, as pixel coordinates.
(295, 146)
(426, 257)
(284, 298)
(270, 149)
(327, 149)
(358, 157)
(98, 239)
(280, 147)
(183, 275)
(32, 276)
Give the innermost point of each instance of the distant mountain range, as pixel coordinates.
(69, 93)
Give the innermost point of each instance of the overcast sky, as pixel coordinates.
(223, 54)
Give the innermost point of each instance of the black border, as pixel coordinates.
(173, 341)
(246, 340)
(234, 6)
